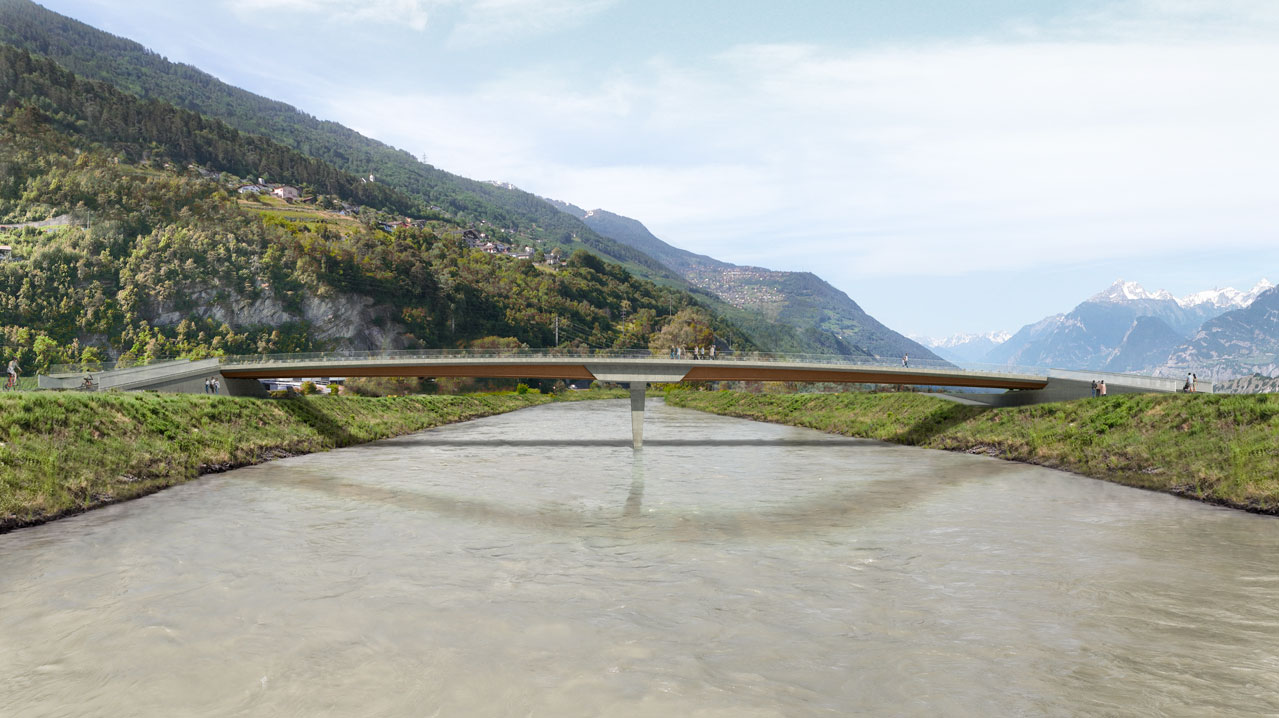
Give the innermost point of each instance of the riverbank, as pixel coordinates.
(1214, 448)
(63, 453)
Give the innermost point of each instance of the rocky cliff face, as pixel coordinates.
(342, 321)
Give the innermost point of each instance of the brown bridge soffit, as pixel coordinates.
(730, 373)
(486, 371)
(579, 371)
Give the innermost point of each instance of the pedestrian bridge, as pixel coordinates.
(635, 370)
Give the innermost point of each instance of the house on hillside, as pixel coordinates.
(286, 192)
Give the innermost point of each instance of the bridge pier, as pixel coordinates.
(638, 388)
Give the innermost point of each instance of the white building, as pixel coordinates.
(286, 192)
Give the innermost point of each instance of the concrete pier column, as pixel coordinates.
(637, 412)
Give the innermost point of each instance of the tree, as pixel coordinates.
(689, 328)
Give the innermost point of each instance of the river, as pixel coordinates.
(532, 564)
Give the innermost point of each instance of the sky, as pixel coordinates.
(952, 166)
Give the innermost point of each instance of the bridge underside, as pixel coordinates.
(494, 371)
(637, 375)
(658, 373)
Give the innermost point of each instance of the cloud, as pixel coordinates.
(943, 158)
(468, 23)
(486, 22)
(413, 13)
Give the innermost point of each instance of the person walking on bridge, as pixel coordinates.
(906, 361)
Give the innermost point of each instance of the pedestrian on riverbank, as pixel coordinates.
(1094, 388)
(1101, 387)
(217, 385)
(208, 385)
(1194, 382)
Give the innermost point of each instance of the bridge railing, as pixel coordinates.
(596, 354)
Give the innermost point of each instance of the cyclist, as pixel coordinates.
(12, 382)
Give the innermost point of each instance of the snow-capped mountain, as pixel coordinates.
(1224, 299)
(1238, 343)
(1228, 298)
(1122, 328)
(965, 348)
(963, 338)
(1122, 291)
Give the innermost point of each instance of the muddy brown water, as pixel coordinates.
(532, 564)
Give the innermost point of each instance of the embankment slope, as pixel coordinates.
(63, 453)
(1219, 449)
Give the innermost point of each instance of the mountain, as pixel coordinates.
(966, 349)
(799, 299)
(1103, 332)
(400, 183)
(1226, 299)
(1147, 343)
(1238, 343)
(519, 216)
(158, 252)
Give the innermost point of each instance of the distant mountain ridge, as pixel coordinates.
(965, 348)
(799, 299)
(1238, 343)
(1226, 299)
(1127, 328)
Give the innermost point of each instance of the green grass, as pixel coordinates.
(64, 452)
(1223, 449)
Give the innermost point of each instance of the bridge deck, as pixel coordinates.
(629, 369)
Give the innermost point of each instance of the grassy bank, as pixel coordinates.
(62, 453)
(1215, 448)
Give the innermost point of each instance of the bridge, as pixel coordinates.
(634, 370)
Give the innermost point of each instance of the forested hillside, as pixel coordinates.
(236, 131)
(163, 258)
(97, 55)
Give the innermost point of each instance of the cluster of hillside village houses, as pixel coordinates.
(474, 239)
(283, 191)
